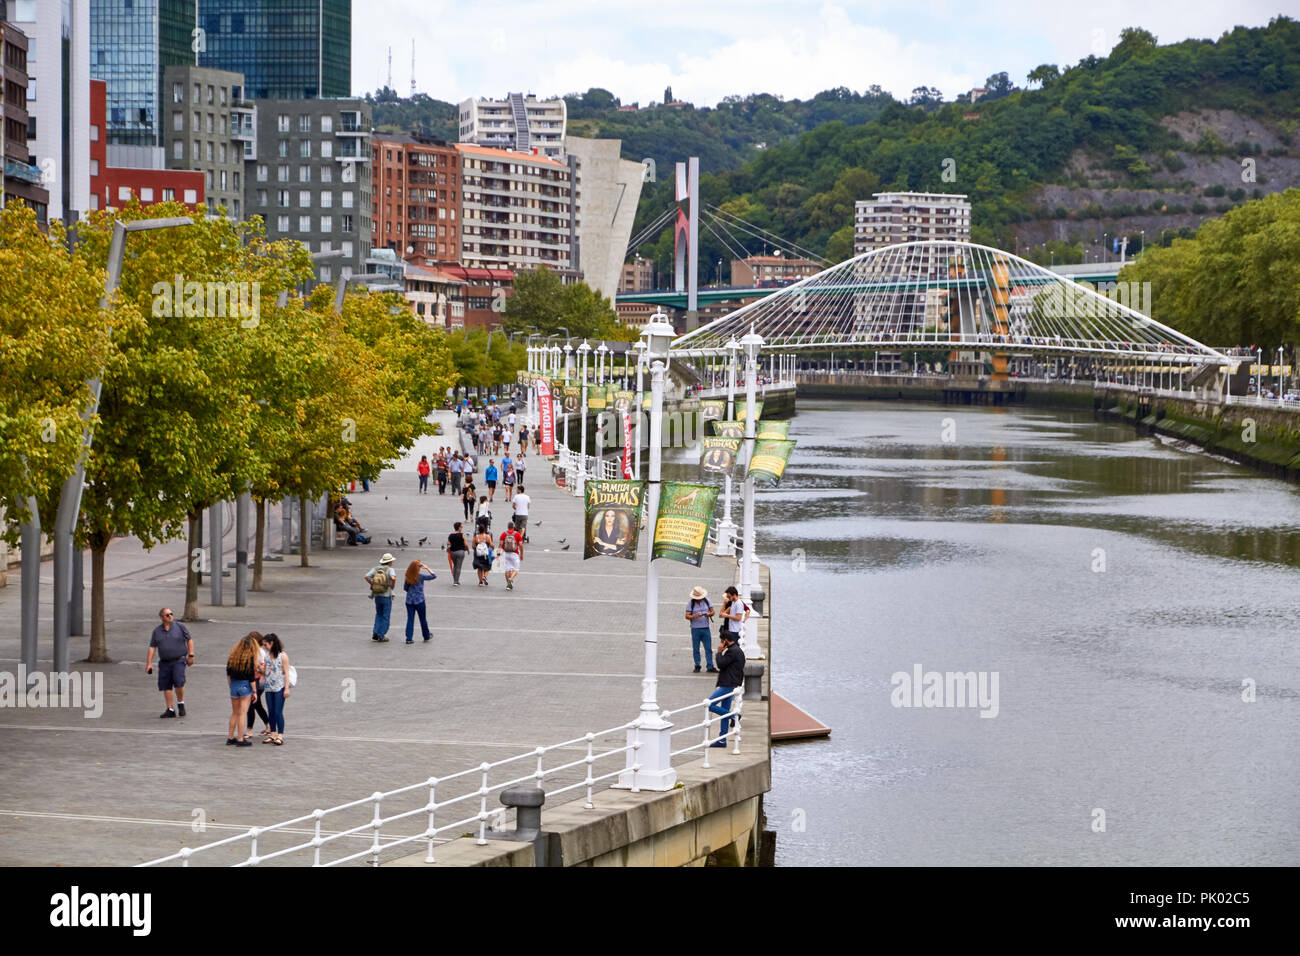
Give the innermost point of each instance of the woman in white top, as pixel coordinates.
(277, 686)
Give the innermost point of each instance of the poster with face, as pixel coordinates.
(729, 429)
(712, 409)
(572, 400)
(718, 455)
(624, 400)
(613, 519)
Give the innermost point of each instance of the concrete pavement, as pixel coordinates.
(506, 671)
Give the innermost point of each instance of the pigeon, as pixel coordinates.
(537, 523)
(565, 548)
(420, 543)
(562, 540)
(402, 542)
(390, 542)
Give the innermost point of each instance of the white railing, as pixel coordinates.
(472, 805)
(573, 466)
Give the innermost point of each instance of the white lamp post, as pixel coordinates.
(601, 351)
(727, 527)
(583, 351)
(1279, 375)
(568, 364)
(751, 343)
(640, 413)
(649, 762)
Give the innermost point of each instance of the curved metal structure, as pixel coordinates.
(959, 296)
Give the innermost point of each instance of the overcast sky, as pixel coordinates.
(708, 49)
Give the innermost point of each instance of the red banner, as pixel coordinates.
(546, 409)
(627, 444)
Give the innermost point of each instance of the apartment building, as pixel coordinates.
(516, 211)
(311, 179)
(119, 174)
(20, 178)
(890, 218)
(417, 198)
(637, 276)
(766, 270)
(210, 128)
(518, 122)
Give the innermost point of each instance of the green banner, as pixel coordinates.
(572, 399)
(682, 525)
(742, 410)
(770, 457)
(713, 409)
(718, 455)
(613, 523)
(729, 429)
(773, 430)
(596, 398)
(645, 400)
(624, 400)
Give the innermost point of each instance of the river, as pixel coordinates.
(1128, 597)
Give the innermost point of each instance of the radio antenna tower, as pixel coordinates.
(412, 67)
(390, 68)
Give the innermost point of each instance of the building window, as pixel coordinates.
(282, 174)
(326, 199)
(178, 121)
(191, 197)
(346, 246)
(198, 93)
(178, 149)
(236, 181)
(346, 223)
(210, 151)
(304, 199)
(262, 172)
(304, 123)
(223, 96)
(304, 223)
(94, 133)
(327, 124)
(223, 178)
(282, 223)
(236, 208)
(349, 173)
(283, 148)
(94, 167)
(196, 152)
(327, 174)
(326, 149)
(211, 95)
(261, 197)
(282, 198)
(304, 149)
(304, 174)
(223, 152)
(212, 124)
(208, 174)
(223, 124)
(123, 193)
(326, 226)
(282, 122)
(146, 194)
(169, 195)
(198, 122)
(347, 199)
(325, 274)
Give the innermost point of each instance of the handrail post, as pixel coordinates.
(590, 782)
(707, 722)
(316, 841)
(433, 801)
(375, 824)
(482, 813)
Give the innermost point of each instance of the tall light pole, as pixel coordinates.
(583, 351)
(1279, 375)
(727, 527)
(568, 367)
(752, 343)
(640, 413)
(649, 757)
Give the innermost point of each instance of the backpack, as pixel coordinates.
(481, 549)
(509, 545)
(379, 580)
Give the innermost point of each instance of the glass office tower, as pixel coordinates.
(286, 49)
(131, 42)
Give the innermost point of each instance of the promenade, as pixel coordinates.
(506, 671)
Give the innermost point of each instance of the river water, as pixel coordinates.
(1126, 595)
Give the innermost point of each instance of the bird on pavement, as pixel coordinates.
(565, 548)
(390, 542)
(562, 540)
(402, 542)
(420, 543)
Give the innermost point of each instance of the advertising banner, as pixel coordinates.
(613, 524)
(628, 439)
(718, 455)
(712, 409)
(772, 430)
(572, 399)
(770, 457)
(729, 429)
(742, 409)
(682, 525)
(546, 410)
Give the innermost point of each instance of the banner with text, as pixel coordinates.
(682, 525)
(546, 410)
(742, 410)
(613, 522)
(718, 455)
(572, 399)
(729, 429)
(596, 398)
(770, 457)
(624, 400)
(773, 430)
(712, 409)
(628, 439)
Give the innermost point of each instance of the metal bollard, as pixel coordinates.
(757, 596)
(527, 803)
(753, 681)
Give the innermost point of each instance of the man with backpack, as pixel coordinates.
(382, 580)
(512, 552)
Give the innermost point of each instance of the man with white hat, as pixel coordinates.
(382, 580)
(699, 611)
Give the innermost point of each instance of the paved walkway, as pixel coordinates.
(506, 671)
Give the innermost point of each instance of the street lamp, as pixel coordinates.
(727, 527)
(751, 344)
(1279, 375)
(601, 352)
(583, 351)
(649, 755)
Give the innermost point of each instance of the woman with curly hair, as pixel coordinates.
(241, 671)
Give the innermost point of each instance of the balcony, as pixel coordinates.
(351, 129)
(22, 171)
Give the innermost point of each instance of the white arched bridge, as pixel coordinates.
(952, 295)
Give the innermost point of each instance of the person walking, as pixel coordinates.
(442, 471)
(731, 674)
(422, 469)
(523, 441)
(382, 580)
(175, 651)
(241, 671)
(490, 475)
(277, 686)
(699, 611)
(521, 503)
(508, 475)
(482, 555)
(456, 469)
(512, 553)
(469, 496)
(417, 572)
(457, 548)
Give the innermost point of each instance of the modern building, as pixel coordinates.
(606, 190)
(890, 218)
(131, 43)
(637, 276)
(311, 178)
(485, 293)
(417, 198)
(20, 178)
(58, 97)
(436, 296)
(516, 211)
(119, 174)
(771, 270)
(519, 122)
(286, 49)
(211, 128)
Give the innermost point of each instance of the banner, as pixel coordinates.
(712, 409)
(645, 400)
(572, 399)
(718, 455)
(772, 429)
(596, 398)
(729, 429)
(742, 410)
(624, 400)
(546, 410)
(682, 525)
(627, 443)
(613, 519)
(770, 457)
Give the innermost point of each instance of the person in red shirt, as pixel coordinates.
(422, 469)
(511, 552)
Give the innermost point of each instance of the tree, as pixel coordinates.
(1045, 74)
(542, 303)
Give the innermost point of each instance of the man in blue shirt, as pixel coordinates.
(490, 476)
(699, 611)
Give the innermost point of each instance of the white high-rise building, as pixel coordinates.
(890, 218)
(522, 123)
(58, 32)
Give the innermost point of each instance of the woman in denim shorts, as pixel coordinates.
(241, 672)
